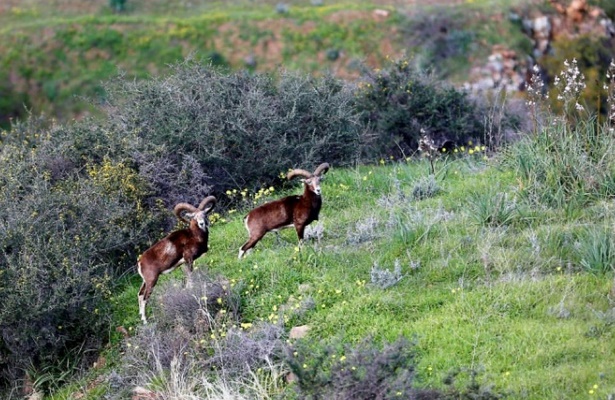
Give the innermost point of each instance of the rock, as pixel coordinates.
(36, 396)
(123, 331)
(290, 377)
(381, 13)
(577, 10)
(141, 393)
(298, 332)
(100, 362)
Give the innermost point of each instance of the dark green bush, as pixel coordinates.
(440, 37)
(12, 104)
(242, 129)
(361, 372)
(608, 7)
(117, 5)
(369, 371)
(402, 105)
(68, 225)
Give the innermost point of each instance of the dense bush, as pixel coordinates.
(243, 129)
(607, 6)
(369, 371)
(12, 104)
(439, 38)
(69, 223)
(402, 105)
(360, 372)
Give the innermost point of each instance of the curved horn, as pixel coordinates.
(206, 201)
(296, 172)
(322, 169)
(183, 207)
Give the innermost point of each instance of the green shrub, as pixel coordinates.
(402, 104)
(607, 6)
(243, 129)
(117, 5)
(68, 227)
(361, 372)
(12, 103)
(440, 37)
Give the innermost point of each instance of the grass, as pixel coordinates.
(490, 282)
(499, 299)
(55, 55)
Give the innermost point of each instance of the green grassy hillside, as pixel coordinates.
(53, 54)
(486, 286)
(495, 264)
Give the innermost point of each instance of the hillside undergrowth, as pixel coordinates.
(495, 305)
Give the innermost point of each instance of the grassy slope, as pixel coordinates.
(498, 299)
(53, 53)
(53, 57)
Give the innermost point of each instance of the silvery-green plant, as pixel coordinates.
(282, 8)
(364, 231)
(384, 278)
(425, 187)
(314, 231)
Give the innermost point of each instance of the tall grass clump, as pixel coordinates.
(242, 128)
(595, 250)
(492, 209)
(567, 162)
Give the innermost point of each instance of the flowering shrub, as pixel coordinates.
(567, 162)
(592, 56)
(70, 225)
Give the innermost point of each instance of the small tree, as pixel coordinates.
(118, 5)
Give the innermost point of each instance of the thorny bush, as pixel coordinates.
(242, 128)
(68, 224)
(401, 104)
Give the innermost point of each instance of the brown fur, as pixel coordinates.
(181, 247)
(297, 211)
